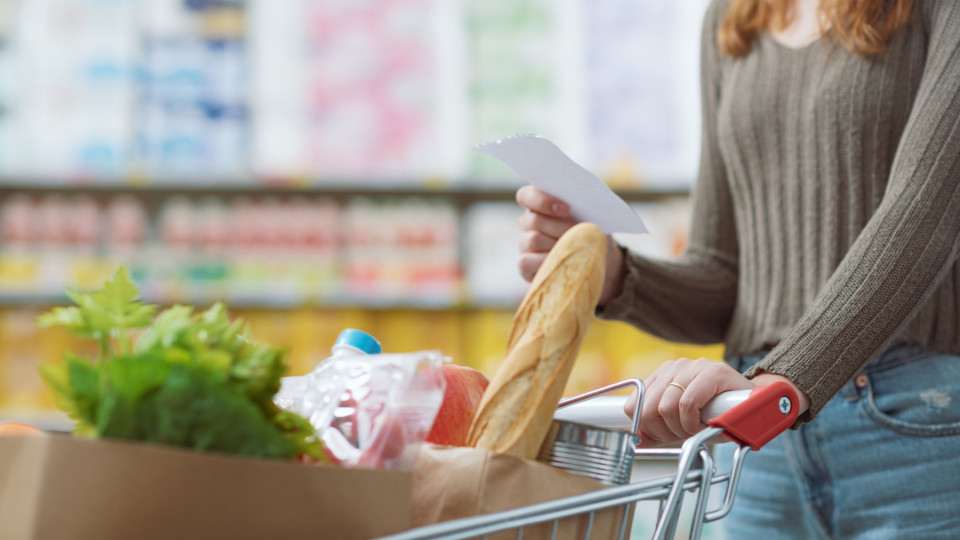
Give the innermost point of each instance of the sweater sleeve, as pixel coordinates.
(907, 247)
(691, 299)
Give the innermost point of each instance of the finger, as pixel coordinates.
(667, 425)
(541, 202)
(669, 410)
(549, 226)
(712, 379)
(699, 388)
(536, 242)
(652, 430)
(529, 263)
(655, 430)
(698, 393)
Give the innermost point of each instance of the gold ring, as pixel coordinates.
(678, 385)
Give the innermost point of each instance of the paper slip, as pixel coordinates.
(539, 162)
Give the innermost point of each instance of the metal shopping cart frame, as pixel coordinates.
(750, 419)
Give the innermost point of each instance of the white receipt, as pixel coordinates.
(540, 163)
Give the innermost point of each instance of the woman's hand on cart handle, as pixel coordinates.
(543, 222)
(678, 391)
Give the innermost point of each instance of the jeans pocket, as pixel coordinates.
(920, 398)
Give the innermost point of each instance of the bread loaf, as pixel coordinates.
(517, 408)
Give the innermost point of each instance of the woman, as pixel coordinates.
(824, 253)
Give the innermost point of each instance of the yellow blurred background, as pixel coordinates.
(611, 351)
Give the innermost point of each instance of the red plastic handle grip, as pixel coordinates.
(768, 412)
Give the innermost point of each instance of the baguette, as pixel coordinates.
(517, 409)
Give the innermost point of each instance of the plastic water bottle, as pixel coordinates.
(350, 342)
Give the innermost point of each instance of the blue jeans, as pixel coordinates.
(881, 460)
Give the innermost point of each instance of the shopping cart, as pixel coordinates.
(749, 418)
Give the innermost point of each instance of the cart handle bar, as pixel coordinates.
(749, 417)
(595, 407)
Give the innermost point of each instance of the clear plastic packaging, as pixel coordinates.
(350, 342)
(370, 410)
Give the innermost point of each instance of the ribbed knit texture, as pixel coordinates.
(827, 209)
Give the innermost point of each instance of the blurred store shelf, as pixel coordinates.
(311, 163)
(157, 189)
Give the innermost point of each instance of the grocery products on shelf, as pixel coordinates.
(491, 244)
(268, 251)
(377, 92)
(7, 95)
(641, 87)
(348, 89)
(515, 70)
(192, 107)
(283, 250)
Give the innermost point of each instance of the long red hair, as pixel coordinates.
(862, 26)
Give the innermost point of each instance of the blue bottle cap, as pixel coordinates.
(359, 340)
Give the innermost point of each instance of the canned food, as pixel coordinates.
(605, 454)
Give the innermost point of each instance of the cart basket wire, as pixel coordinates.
(748, 418)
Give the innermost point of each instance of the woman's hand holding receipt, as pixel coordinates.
(544, 220)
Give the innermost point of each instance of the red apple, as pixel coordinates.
(461, 398)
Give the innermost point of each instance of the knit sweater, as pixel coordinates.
(826, 213)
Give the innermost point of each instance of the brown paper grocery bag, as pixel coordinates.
(452, 482)
(58, 487)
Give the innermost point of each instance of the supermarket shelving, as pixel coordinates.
(158, 189)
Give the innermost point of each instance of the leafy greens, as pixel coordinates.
(180, 377)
